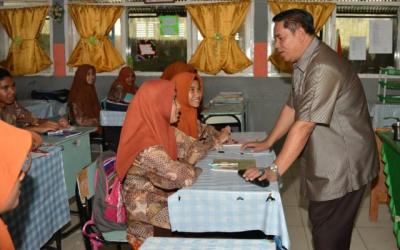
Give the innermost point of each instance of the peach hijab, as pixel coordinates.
(15, 146)
(188, 117)
(176, 68)
(147, 123)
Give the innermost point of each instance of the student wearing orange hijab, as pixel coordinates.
(189, 91)
(154, 158)
(14, 150)
(175, 68)
(82, 100)
(123, 85)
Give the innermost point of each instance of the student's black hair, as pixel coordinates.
(295, 18)
(4, 73)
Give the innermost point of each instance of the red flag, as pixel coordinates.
(338, 44)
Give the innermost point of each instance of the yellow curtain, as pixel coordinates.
(218, 23)
(94, 47)
(320, 12)
(23, 26)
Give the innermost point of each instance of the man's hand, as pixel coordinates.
(253, 173)
(256, 146)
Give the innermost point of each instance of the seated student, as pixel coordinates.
(14, 149)
(176, 68)
(15, 114)
(123, 85)
(189, 91)
(154, 158)
(82, 100)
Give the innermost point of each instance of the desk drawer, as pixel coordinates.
(76, 155)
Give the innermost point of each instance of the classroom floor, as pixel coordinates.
(366, 235)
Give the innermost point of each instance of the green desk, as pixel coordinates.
(76, 154)
(391, 159)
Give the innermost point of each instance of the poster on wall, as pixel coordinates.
(146, 49)
(358, 48)
(169, 25)
(381, 36)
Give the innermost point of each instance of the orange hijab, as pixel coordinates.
(188, 117)
(84, 94)
(176, 68)
(147, 124)
(15, 146)
(123, 74)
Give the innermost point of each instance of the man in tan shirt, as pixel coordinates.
(328, 125)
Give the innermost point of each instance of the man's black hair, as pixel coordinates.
(295, 18)
(4, 73)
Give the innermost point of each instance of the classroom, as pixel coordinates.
(200, 124)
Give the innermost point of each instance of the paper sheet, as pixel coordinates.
(381, 36)
(358, 48)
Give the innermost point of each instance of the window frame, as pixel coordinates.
(71, 37)
(6, 41)
(329, 36)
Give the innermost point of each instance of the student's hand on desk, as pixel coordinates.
(63, 123)
(37, 140)
(198, 171)
(47, 126)
(256, 146)
(225, 135)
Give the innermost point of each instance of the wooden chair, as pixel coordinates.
(379, 193)
(84, 193)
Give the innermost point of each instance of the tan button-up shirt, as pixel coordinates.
(340, 155)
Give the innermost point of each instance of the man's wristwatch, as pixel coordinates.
(274, 168)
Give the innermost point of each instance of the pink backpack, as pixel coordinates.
(108, 210)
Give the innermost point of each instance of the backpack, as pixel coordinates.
(107, 208)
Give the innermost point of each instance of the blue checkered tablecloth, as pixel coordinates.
(112, 118)
(224, 202)
(43, 204)
(158, 243)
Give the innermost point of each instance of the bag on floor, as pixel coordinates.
(108, 209)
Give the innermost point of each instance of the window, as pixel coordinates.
(150, 49)
(244, 38)
(324, 35)
(138, 36)
(45, 38)
(72, 37)
(355, 21)
(352, 18)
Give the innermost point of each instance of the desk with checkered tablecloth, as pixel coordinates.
(223, 202)
(165, 243)
(43, 204)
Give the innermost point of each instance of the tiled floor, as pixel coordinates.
(366, 235)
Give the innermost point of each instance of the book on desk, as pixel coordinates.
(63, 133)
(232, 165)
